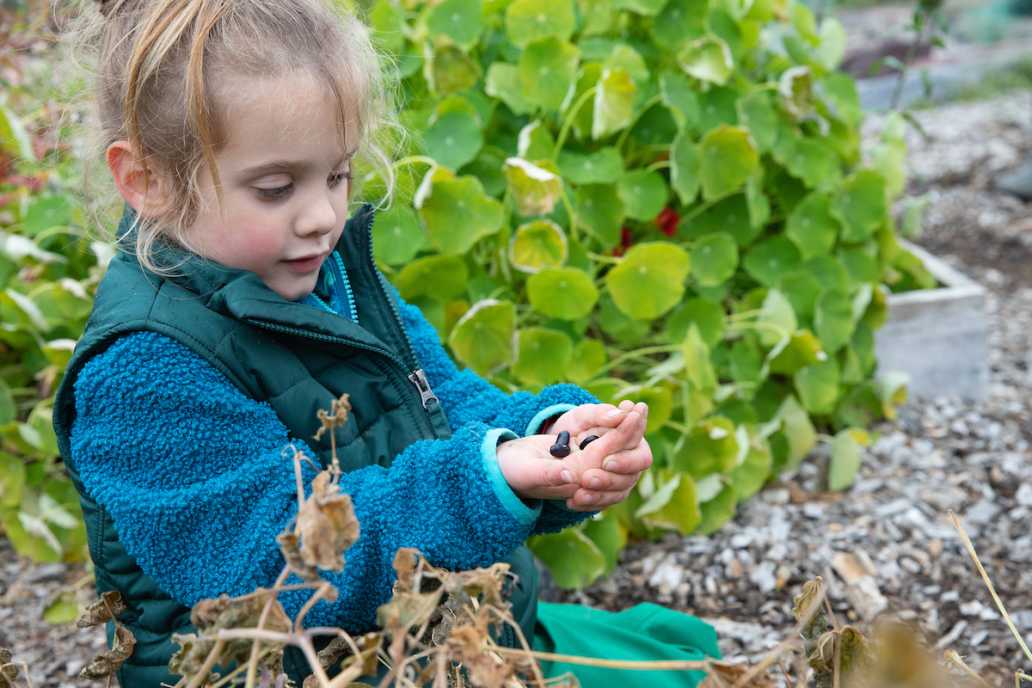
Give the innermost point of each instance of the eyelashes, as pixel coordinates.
(281, 192)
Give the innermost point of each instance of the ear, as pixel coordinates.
(141, 188)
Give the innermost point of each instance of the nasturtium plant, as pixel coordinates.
(661, 200)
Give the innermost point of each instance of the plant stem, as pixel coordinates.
(568, 122)
(413, 159)
(637, 353)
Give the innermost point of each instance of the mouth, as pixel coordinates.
(307, 263)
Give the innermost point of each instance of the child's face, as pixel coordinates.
(295, 206)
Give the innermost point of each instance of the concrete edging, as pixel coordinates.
(938, 336)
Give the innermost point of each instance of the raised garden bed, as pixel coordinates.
(938, 336)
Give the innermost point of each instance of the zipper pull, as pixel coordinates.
(418, 378)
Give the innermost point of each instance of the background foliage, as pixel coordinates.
(663, 201)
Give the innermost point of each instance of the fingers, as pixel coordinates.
(597, 480)
(586, 500)
(629, 461)
(632, 427)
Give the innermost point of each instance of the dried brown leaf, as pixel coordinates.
(290, 546)
(110, 605)
(9, 671)
(327, 523)
(722, 675)
(107, 663)
(338, 415)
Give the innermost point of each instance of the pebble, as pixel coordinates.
(1024, 495)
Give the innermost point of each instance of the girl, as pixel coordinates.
(244, 298)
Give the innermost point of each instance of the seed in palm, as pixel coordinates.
(588, 440)
(561, 448)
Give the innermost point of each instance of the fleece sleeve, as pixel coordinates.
(467, 397)
(195, 476)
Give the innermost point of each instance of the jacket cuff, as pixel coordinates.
(544, 414)
(526, 514)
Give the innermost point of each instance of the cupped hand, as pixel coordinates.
(608, 468)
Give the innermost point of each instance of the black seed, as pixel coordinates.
(588, 440)
(563, 439)
(559, 451)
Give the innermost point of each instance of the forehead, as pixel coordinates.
(294, 116)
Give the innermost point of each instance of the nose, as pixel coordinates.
(319, 217)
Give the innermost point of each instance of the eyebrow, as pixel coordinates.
(283, 166)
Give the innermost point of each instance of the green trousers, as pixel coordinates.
(644, 632)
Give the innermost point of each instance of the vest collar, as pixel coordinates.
(242, 293)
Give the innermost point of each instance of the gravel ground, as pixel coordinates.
(974, 459)
(940, 455)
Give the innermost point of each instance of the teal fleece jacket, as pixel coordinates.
(206, 523)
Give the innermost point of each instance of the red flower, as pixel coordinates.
(626, 241)
(667, 221)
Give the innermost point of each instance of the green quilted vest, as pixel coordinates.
(296, 358)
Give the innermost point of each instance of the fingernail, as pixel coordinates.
(588, 499)
(594, 483)
(616, 413)
(566, 476)
(609, 465)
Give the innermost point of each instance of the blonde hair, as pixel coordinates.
(164, 73)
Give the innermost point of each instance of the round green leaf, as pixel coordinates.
(454, 139)
(715, 258)
(439, 277)
(673, 506)
(546, 71)
(698, 364)
(679, 21)
(729, 158)
(482, 338)
(459, 20)
(707, 59)
(661, 405)
(588, 357)
(649, 281)
(776, 312)
(768, 260)
(711, 447)
(64, 609)
(614, 102)
(706, 315)
(535, 142)
(718, 511)
(604, 166)
(815, 162)
(860, 205)
(685, 163)
(542, 356)
(749, 476)
(600, 211)
(757, 113)
(536, 187)
(812, 227)
(565, 293)
(803, 349)
(537, 245)
(608, 534)
(846, 458)
(456, 211)
(529, 20)
(450, 70)
(573, 560)
(818, 386)
(12, 480)
(833, 319)
(397, 236)
(503, 82)
(643, 192)
(646, 7)
(8, 411)
(679, 95)
(798, 431)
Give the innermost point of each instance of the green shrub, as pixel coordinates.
(662, 200)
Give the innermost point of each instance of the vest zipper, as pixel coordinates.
(352, 343)
(417, 376)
